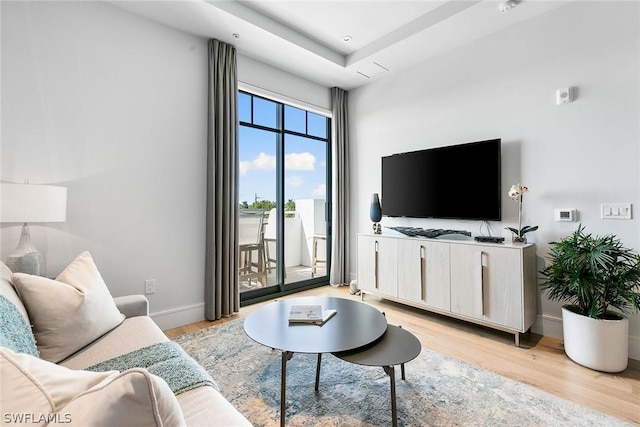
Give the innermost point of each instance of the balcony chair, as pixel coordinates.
(269, 239)
(314, 253)
(250, 241)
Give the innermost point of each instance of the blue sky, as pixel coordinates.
(305, 158)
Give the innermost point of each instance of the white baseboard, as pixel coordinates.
(551, 326)
(180, 316)
(634, 347)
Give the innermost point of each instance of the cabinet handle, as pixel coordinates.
(481, 284)
(423, 276)
(375, 274)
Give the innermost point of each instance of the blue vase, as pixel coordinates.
(375, 211)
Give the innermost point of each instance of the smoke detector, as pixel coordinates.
(507, 5)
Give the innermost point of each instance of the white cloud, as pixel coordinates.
(294, 181)
(320, 190)
(266, 162)
(299, 161)
(244, 168)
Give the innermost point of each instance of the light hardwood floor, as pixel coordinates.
(539, 361)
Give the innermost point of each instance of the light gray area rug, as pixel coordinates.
(438, 391)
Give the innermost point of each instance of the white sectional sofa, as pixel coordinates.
(51, 385)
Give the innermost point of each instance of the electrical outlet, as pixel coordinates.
(150, 286)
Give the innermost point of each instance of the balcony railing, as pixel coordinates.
(304, 244)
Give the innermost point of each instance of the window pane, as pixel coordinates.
(264, 112)
(265, 132)
(305, 179)
(294, 119)
(244, 107)
(305, 167)
(257, 195)
(257, 153)
(317, 125)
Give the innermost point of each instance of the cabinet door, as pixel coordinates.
(466, 280)
(366, 263)
(423, 273)
(377, 266)
(486, 283)
(503, 286)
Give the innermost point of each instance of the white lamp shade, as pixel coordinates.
(32, 203)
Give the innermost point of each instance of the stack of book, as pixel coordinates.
(313, 314)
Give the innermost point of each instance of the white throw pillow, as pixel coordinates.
(34, 391)
(134, 397)
(37, 392)
(70, 312)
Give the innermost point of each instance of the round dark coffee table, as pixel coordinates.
(396, 347)
(354, 325)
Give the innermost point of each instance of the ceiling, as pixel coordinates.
(305, 37)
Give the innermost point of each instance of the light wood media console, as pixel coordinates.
(489, 284)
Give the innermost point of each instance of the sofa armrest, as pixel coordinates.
(132, 305)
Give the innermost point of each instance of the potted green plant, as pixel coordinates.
(599, 279)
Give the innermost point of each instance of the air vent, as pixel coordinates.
(372, 70)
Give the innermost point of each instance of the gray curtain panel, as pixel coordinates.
(221, 291)
(340, 211)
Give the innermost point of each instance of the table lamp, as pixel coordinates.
(25, 203)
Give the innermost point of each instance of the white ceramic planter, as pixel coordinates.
(602, 345)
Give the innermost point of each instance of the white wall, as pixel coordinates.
(576, 155)
(114, 107)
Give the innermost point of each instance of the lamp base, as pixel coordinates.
(377, 228)
(25, 258)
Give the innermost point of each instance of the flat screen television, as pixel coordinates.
(454, 182)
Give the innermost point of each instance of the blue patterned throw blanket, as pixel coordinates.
(14, 331)
(167, 360)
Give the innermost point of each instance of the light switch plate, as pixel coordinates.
(615, 211)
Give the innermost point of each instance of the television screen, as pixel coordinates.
(456, 182)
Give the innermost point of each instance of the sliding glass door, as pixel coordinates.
(284, 178)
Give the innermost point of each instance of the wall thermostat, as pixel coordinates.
(565, 215)
(564, 95)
